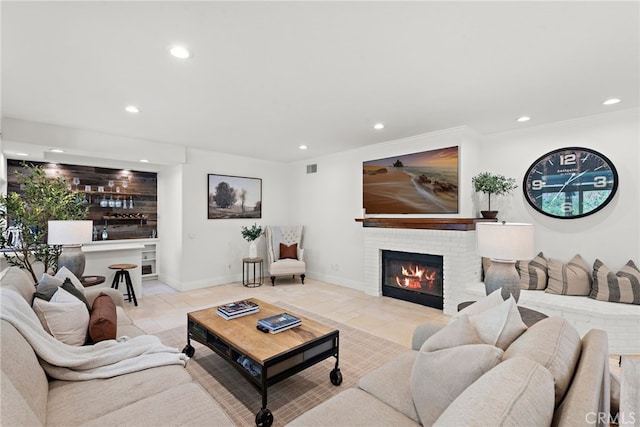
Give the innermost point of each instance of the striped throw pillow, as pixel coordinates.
(533, 274)
(623, 286)
(572, 278)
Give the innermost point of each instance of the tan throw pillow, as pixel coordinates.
(623, 286)
(553, 343)
(491, 300)
(103, 322)
(533, 274)
(65, 273)
(499, 325)
(573, 278)
(65, 317)
(458, 332)
(514, 393)
(438, 377)
(288, 251)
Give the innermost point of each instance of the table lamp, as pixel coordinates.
(71, 235)
(505, 243)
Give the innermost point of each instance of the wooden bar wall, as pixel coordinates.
(140, 222)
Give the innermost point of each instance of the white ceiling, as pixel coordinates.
(269, 76)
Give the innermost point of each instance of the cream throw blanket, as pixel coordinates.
(105, 359)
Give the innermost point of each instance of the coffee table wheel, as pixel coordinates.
(189, 350)
(336, 377)
(264, 418)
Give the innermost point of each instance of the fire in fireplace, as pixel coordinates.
(413, 277)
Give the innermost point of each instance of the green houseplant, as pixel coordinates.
(488, 183)
(250, 234)
(24, 218)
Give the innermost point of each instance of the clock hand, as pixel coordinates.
(562, 188)
(571, 179)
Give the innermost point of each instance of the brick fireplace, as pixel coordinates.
(454, 239)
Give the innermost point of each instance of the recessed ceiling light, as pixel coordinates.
(523, 119)
(181, 52)
(611, 101)
(144, 161)
(22, 154)
(132, 109)
(303, 147)
(56, 150)
(378, 126)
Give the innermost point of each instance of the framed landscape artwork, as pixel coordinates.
(234, 197)
(418, 183)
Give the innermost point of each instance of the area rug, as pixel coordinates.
(360, 352)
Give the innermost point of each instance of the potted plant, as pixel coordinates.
(250, 234)
(24, 218)
(489, 183)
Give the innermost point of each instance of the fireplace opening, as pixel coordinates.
(413, 277)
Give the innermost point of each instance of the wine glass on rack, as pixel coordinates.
(76, 182)
(111, 184)
(125, 184)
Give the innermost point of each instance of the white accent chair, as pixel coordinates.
(287, 236)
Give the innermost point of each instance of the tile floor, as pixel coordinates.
(162, 307)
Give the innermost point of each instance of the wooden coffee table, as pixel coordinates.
(269, 358)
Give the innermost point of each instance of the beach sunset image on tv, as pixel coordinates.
(418, 183)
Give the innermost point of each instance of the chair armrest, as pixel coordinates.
(422, 332)
(92, 293)
(300, 254)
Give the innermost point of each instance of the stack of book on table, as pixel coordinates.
(278, 323)
(237, 309)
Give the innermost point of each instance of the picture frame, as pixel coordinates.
(418, 183)
(230, 197)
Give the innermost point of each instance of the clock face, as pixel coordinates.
(570, 182)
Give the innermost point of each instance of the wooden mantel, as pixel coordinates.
(458, 224)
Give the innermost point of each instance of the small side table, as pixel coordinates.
(91, 280)
(246, 278)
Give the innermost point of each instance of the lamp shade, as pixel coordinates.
(69, 232)
(505, 241)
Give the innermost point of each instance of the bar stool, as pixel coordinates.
(122, 273)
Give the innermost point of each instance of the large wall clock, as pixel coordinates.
(570, 182)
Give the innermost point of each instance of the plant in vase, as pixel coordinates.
(250, 234)
(24, 218)
(489, 183)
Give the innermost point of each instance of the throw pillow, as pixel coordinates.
(553, 343)
(499, 325)
(573, 278)
(438, 377)
(47, 286)
(103, 322)
(516, 392)
(533, 274)
(68, 286)
(288, 251)
(65, 317)
(485, 303)
(623, 286)
(456, 333)
(64, 273)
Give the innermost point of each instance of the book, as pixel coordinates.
(237, 309)
(279, 322)
(235, 316)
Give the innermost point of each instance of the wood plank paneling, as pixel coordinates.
(141, 188)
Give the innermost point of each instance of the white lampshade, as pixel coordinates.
(505, 241)
(69, 232)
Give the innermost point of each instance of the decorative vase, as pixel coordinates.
(489, 214)
(253, 250)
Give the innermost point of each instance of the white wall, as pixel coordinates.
(610, 234)
(328, 202)
(212, 249)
